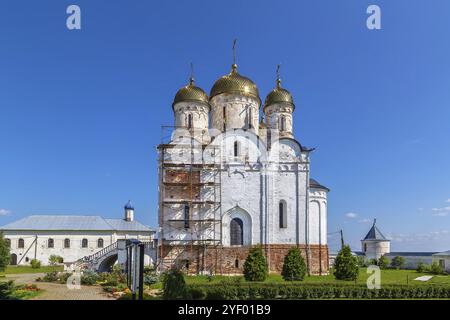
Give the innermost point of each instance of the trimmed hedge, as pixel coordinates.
(300, 291)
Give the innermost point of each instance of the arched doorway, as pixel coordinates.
(13, 261)
(107, 264)
(236, 232)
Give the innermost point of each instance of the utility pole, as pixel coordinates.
(35, 247)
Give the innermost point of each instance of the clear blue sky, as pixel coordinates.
(81, 111)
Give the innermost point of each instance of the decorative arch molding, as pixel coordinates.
(244, 216)
(287, 150)
(315, 222)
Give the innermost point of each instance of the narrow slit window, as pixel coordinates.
(236, 149)
(190, 121)
(283, 123)
(282, 214)
(186, 216)
(224, 118)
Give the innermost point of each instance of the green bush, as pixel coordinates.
(174, 285)
(55, 259)
(383, 262)
(112, 278)
(150, 279)
(89, 278)
(255, 266)
(150, 276)
(398, 262)
(35, 264)
(436, 268)
(64, 276)
(197, 293)
(373, 262)
(6, 290)
(422, 267)
(289, 290)
(4, 253)
(50, 277)
(362, 262)
(346, 265)
(294, 267)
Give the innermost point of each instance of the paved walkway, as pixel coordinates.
(56, 291)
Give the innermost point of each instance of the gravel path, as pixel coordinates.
(56, 291)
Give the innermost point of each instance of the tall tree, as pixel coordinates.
(255, 266)
(4, 253)
(346, 265)
(294, 267)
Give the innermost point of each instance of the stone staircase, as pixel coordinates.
(93, 261)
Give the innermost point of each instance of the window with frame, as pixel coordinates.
(269, 138)
(282, 211)
(186, 215)
(236, 232)
(100, 243)
(236, 148)
(50, 243)
(21, 243)
(190, 121)
(283, 123)
(66, 243)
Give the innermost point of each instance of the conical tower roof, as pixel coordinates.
(375, 233)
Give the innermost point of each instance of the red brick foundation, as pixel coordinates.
(230, 260)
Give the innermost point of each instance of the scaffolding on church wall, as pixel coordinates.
(189, 199)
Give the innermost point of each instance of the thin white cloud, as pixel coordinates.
(441, 212)
(448, 200)
(365, 220)
(351, 215)
(4, 212)
(441, 209)
(419, 237)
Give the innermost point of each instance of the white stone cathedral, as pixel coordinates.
(231, 178)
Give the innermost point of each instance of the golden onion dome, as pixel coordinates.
(235, 83)
(279, 95)
(191, 92)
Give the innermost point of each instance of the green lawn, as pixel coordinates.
(28, 269)
(388, 277)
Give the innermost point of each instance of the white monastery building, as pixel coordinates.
(232, 175)
(70, 237)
